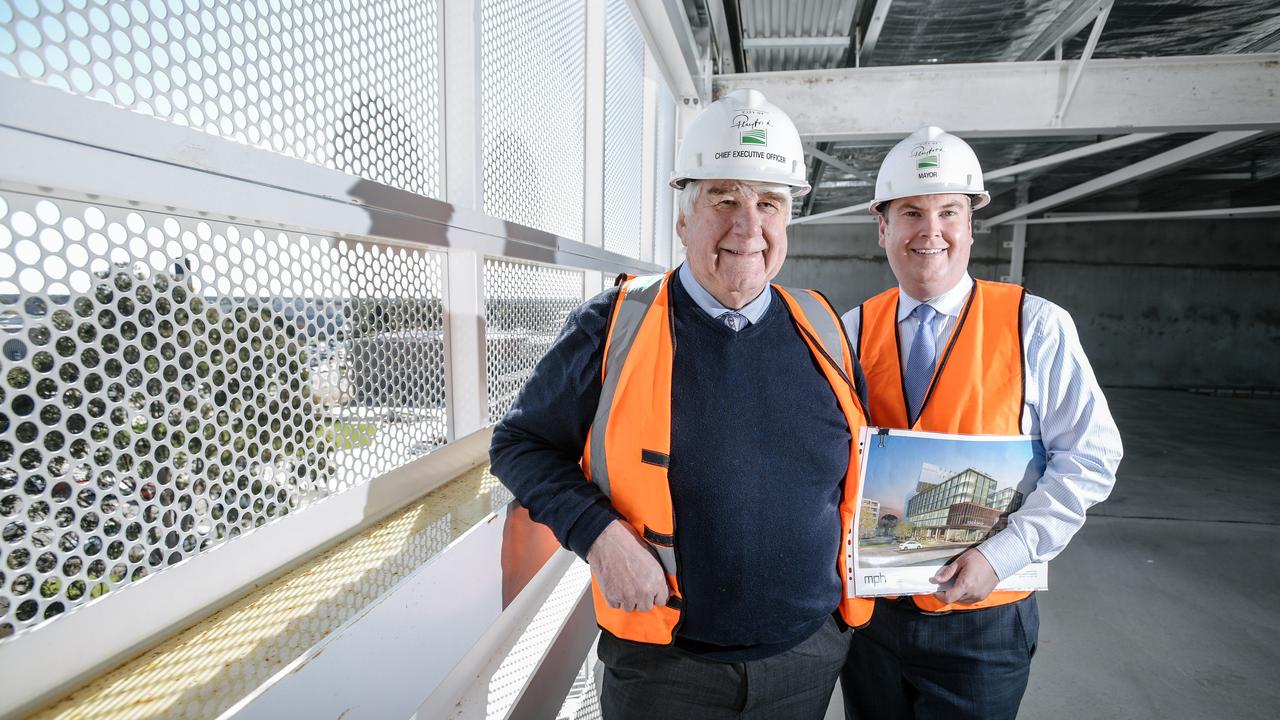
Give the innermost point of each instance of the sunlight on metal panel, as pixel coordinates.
(532, 85)
(623, 130)
(350, 86)
(210, 666)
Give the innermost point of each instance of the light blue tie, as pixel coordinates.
(734, 320)
(920, 362)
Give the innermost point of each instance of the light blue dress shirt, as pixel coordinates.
(1063, 405)
(752, 311)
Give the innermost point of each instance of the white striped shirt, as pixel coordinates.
(1064, 406)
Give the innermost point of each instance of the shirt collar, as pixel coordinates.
(752, 311)
(949, 303)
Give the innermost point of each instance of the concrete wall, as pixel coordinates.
(1192, 303)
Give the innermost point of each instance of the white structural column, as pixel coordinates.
(463, 164)
(593, 127)
(1163, 162)
(1180, 94)
(648, 171)
(1018, 245)
(467, 388)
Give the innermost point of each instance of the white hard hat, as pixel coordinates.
(930, 161)
(742, 136)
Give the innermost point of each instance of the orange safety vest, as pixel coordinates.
(978, 386)
(629, 444)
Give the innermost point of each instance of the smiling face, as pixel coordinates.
(927, 240)
(735, 238)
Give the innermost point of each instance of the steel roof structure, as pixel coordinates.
(1098, 109)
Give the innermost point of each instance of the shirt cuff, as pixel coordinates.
(1006, 553)
(582, 535)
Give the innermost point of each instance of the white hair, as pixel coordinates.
(689, 194)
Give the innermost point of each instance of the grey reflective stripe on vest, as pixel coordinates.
(641, 292)
(820, 318)
(666, 556)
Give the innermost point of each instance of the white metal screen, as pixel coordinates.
(170, 383)
(352, 85)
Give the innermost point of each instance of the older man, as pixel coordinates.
(945, 353)
(692, 435)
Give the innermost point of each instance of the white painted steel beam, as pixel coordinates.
(1070, 21)
(1163, 162)
(878, 16)
(1182, 94)
(670, 38)
(1068, 155)
(57, 143)
(1206, 214)
(832, 213)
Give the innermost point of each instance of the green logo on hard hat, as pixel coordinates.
(928, 162)
(753, 137)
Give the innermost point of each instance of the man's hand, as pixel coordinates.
(969, 579)
(629, 574)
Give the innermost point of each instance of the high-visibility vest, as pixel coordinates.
(978, 385)
(628, 447)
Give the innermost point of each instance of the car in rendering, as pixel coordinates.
(910, 545)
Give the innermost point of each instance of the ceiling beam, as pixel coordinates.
(878, 15)
(839, 164)
(1162, 162)
(1070, 21)
(1182, 94)
(764, 43)
(670, 38)
(1068, 155)
(1206, 214)
(720, 30)
(1098, 23)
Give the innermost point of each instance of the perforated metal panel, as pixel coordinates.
(170, 383)
(514, 672)
(352, 85)
(623, 130)
(532, 76)
(525, 307)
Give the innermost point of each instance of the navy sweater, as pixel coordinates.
(759, 452)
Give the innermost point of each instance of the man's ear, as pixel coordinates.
(882, 223)
(680, 228)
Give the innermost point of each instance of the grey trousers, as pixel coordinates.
(653, 681)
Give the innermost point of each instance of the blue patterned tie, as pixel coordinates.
(735, 321)
(920, 362)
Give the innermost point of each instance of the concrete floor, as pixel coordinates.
(1166, 604)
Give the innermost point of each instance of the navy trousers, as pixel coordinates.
(648, 681)
(967, 664)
